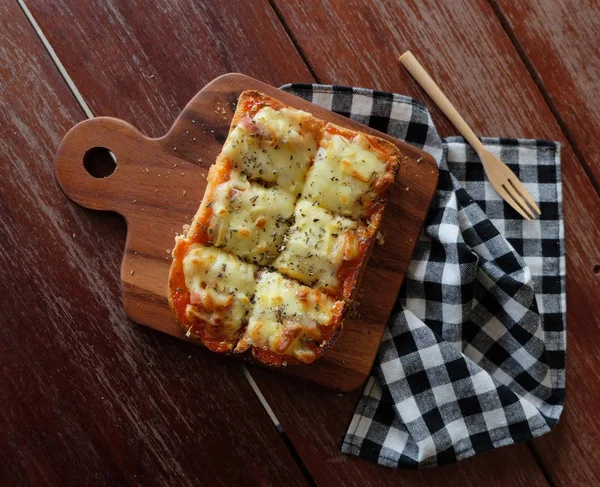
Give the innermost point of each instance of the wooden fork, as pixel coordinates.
(503, 180)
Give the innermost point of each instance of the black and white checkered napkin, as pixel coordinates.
(474, 355)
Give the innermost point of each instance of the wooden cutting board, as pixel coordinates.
(158, 184)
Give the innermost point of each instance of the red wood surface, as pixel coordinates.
(474, 61)
(158, 185)
(142, 63)
(315, 423)
(86, 398)
(560, 41)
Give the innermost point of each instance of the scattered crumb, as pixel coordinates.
(135, 252)
(167, 251)
(186, 227)
(147, 170)
(193, 121)
(406, 189)
(380, 238)
(420, 160)
(156, 190)
(135, 201)
(131, 272)
(353, 308)
(184, 192)
(74, 235)
(203, 176)
(175, 148)
(174, 165)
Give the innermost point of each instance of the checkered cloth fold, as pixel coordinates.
(474, 354)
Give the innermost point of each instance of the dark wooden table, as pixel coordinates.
(89, 398)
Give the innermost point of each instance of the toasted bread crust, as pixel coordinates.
(249, 103)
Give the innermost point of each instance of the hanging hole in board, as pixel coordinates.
(99, 162)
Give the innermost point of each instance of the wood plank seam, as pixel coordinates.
(89, 114)
(545, 94)
(55, 59)
(294, 41)
(538, 459)
(261, 397)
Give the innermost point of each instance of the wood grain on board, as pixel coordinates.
(561, 42)
(475, 63)
(85, 398)
(158, 184)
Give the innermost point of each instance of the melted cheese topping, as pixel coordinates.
(287, 317)
(250, 220)
(344, 175)
(277, 167)
(274, 147)
(220, 287)
(317, 245)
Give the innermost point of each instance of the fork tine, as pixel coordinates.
(510, 189)
(519, 188)
(501, 190)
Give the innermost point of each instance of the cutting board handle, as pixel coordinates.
(74, 162)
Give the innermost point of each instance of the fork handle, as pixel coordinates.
(409, 61)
